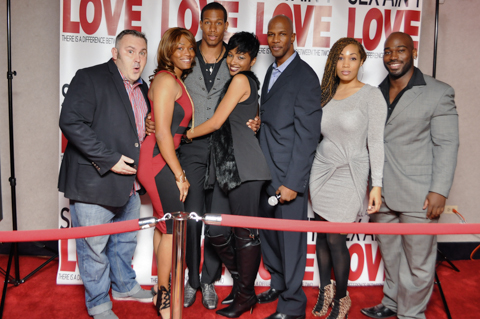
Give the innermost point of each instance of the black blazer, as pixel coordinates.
(98, 121)
(291, 113)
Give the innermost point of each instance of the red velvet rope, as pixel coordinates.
(348, 228)
(249, 222)
(68, 233)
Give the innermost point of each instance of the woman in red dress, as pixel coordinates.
(159, 170)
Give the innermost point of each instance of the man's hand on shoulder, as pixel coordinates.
(254, 124)
(122, 166)
(286, 194)
(435, 204)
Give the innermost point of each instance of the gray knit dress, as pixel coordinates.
(352, 143)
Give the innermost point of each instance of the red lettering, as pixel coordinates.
(165, 15)
(65, 264)
(351, 24)
(308, 275)
(284, 9)
(372, 43)
(310, 262)
(372, 265)
(194, 10)
(131, 15)
(112, 18)
(68, 24)
(231, 7)
(396, 24)
(410, 16)
(313, 14)
(90, 27)
(356, 249)
(203, 3)
(264, 273)
(374, 14)
(262, 37)
(321, 26)
(311, 249)
(302, 29)
(154, 265)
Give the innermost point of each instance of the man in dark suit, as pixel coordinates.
(103, 118)
(421, 145)
(290, 112)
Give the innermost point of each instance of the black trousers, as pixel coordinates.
(285, 253)
(242, 200)
(194, 158)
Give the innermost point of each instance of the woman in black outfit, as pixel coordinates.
(238, 170)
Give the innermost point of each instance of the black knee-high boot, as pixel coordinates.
(247, 246)
(225, 250)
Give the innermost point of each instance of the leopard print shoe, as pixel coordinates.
(324, 300)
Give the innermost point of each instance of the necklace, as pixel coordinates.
(212, 67)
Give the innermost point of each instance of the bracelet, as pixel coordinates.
(182, 178)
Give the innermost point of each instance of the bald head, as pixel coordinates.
(398, 56)
(405, 38)
(281, 18)
(280, 38)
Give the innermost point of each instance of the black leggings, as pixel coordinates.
(332, 252)
(242, 200)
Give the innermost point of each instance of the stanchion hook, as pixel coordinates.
(195, 217)
(149, 222)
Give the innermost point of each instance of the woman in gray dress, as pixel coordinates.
(238, 171)
(352, 127)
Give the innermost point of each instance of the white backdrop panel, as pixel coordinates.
(87, 34)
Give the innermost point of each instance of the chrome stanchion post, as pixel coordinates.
(178, 263)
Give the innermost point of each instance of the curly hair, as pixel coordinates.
(330, 79)
(166, 48)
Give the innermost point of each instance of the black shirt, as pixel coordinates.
(208, 77)
(416, 80)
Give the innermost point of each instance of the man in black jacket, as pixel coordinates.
(103, 120)
(290, 130)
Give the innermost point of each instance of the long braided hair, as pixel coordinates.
(330, 79)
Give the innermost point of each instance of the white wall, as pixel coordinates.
(458, 47)
(35, 55)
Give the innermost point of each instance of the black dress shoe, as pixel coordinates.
(268, 296)
(278, 315)
(378, 311)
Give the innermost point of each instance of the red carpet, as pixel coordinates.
(40, 297)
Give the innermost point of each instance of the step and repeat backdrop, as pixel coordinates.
(87, 34)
